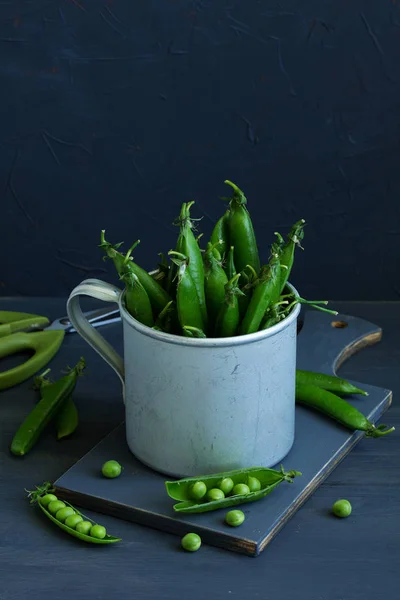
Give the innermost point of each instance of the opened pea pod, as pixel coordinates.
(68, 518)
(206, 493)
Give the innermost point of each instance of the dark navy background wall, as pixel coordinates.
(114, 112)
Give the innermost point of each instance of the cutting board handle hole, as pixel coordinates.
(339, 324)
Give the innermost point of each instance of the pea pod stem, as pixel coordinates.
(294, 238)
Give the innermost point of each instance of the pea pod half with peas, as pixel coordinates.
(68, 518)
(190, 501)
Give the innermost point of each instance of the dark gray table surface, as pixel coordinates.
(315, 556)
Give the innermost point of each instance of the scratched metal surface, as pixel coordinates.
(112, 113)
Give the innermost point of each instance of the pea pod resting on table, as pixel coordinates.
(71, 521)
(53, 397)
(182, 489)
(331, 383)
(67, 417)
(338, 409)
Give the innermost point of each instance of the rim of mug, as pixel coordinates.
(236, 340)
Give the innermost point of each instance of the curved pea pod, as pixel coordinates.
(241, 231)
(67, 419)
(339, 409)
(268, 478)
(108, 539)
(158, 296)
(220, 234)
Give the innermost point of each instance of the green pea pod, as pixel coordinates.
(193, 332)
(241, 232)
(187, 300)
(264, 294)
(268, 478)
(331, 383)
(295, 236)
(136, 299)
(272, 317)
(228, 318)
(188, 246)
(67, 417)
(52, 399)
(36, 497)
(338, 409)
(220, 234)
(215, 280)
(158, 296)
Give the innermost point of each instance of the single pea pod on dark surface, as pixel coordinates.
(53, 397)
(37, 496)
(241, 231)
(220, 234)
(137, 301)
(331, 383)
(294, 238)
(337, 408)
(268, 478)
(158, 296)
(67, 417)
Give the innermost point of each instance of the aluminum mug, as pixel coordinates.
(199, 406)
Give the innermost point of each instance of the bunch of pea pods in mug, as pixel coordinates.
(219, 290)
(222, 290)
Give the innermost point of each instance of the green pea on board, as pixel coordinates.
(191, 542)
(342, 508)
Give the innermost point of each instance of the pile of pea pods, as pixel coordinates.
(219, 290)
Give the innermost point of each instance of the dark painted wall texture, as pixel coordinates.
(114, 112)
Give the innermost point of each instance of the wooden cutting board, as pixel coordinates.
(139, 494)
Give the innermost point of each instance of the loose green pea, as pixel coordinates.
(45, 500)
(111, 469)
(226, 485)
(63, 513)
(98, 531)
(191, 542)
(240, 489)
(215, 494)
(234, 518)
(54, 506)
(198, 490)
(73, 520)
(254, 484)
(84, 527)
(342, 508)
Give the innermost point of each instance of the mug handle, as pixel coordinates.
(95, 288)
